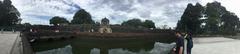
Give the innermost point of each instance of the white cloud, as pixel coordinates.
(35, 11)
(160, 11)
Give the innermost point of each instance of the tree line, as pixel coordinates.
(83, 17)
(210, 19)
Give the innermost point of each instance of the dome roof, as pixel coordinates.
(105, 20)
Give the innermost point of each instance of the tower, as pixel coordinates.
(105, 27)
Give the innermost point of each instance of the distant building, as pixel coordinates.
(105, 27)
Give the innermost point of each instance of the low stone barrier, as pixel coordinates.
(102, 36)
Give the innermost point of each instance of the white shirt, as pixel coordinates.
(185, 44)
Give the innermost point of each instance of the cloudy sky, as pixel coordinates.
(162, 12)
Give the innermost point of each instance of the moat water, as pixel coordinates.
(79, 46)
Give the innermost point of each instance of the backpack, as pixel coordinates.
(190, 42)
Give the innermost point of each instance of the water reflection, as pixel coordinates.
(105, 47)
(159, 48)
(95, 51)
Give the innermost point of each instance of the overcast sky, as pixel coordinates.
(160, 11)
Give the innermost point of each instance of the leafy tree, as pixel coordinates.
(229, 23)
(195, 20)
(149, 24)
(185, 18)
(214, 11)
(132, 22)
(27, 24)
(190, 20)
(138, 23)
(9, 15)
(218, 19)
(82, 17)
(58, 20)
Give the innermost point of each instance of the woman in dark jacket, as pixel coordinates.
(189, 43)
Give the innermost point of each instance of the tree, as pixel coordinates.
(218, 19)
(27, 24)
(197, 13)
(214, 12)
(229, 22)
(190, 20)
(82, 17)
(149, 24)
(58, 20)
(9, 15)
(185, 18)
(164, 26)
(132, 22)
(138, 23)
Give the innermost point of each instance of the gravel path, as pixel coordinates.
(216, 45)
(7, 40)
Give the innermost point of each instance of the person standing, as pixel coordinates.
(185, 35)
(189, 43)
(179, 43)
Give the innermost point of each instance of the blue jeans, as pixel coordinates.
(189, 51)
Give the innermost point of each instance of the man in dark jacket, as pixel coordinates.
(179, 43)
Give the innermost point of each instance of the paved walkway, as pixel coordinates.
(216, 45)
(7, 40)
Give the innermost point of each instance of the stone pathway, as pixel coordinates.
(216, 45)
(7, 40)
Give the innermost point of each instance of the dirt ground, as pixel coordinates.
(216, 45)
